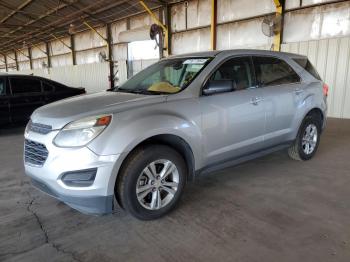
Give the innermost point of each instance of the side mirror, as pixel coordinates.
(112, 88)
(218, 86)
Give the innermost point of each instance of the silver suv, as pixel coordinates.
(186, 115)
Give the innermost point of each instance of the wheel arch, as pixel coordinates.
(171, 140)
(315, 111)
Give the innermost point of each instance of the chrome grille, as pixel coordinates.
(40, 128)
(35, 153)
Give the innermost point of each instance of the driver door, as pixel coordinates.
(233, 123)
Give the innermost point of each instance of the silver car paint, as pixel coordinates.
(216, 128)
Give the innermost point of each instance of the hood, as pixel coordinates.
(60, 113)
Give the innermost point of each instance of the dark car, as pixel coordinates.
(20, 95)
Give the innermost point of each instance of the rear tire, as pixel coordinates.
(307, 141)
(151, 181)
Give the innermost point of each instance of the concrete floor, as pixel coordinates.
(269, 209)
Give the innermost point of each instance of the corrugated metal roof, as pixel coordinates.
(27, 22)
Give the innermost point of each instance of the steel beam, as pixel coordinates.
(16, 60)
(70, 18)
(110, 55)
(6, 67)
(24, 4)
(156, 20)
(63, 43)
(48, 54)
(37, 46)
(39, 18)
(72, 44)
(277, 39)
(94, 30)
(213, 24)
(167, 18)
(30, 58)
(18, 50)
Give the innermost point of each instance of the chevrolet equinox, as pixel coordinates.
(138, 144)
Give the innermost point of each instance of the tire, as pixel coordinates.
(138, 173)
(298, 150)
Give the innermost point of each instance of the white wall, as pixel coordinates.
(327, 21)
(235, 28)
(323, 34)
(331, 57)
(93, 77)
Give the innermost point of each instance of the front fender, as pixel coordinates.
(123, 137)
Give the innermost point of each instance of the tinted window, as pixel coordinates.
(25, 85)
(238, 70)
(305, 63)
(274, 71)
(2, 87)
(47, 87)
(58, 87)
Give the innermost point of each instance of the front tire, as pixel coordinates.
(308, 139)
(151, 181)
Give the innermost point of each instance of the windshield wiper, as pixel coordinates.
(140, 91)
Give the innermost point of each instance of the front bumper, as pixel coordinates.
(98, 205)
(96, 198)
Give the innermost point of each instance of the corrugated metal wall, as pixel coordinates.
(237, 27)
(331, 57)
(94, 77)
(323, 34)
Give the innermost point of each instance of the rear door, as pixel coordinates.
(4, 102)
(282, 88)
(26, 97)
(48, 91)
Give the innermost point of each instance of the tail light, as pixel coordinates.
(325, 89)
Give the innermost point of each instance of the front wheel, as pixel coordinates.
(308, 139)
(151, 182)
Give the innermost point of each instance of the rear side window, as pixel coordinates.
(25, 85)
(274, 71)
(306, 64)
(59, 87)
(2, 87)
(47, 87)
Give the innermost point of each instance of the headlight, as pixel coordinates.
(26, 131)
(81, 132)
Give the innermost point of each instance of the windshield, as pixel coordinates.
(165, 77)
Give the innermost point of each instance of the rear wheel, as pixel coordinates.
(151, 182)
(308, 138)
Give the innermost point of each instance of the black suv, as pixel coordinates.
(20, 95)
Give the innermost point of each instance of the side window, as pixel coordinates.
(306, 64)
(58, 87)
(47, 87)
(23, 85)
(274, 71)
(237, 70)
(2, 87)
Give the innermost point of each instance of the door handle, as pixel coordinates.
(298, 91)
(255, 100)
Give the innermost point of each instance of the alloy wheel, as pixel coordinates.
(309, 140)
(157, 184)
